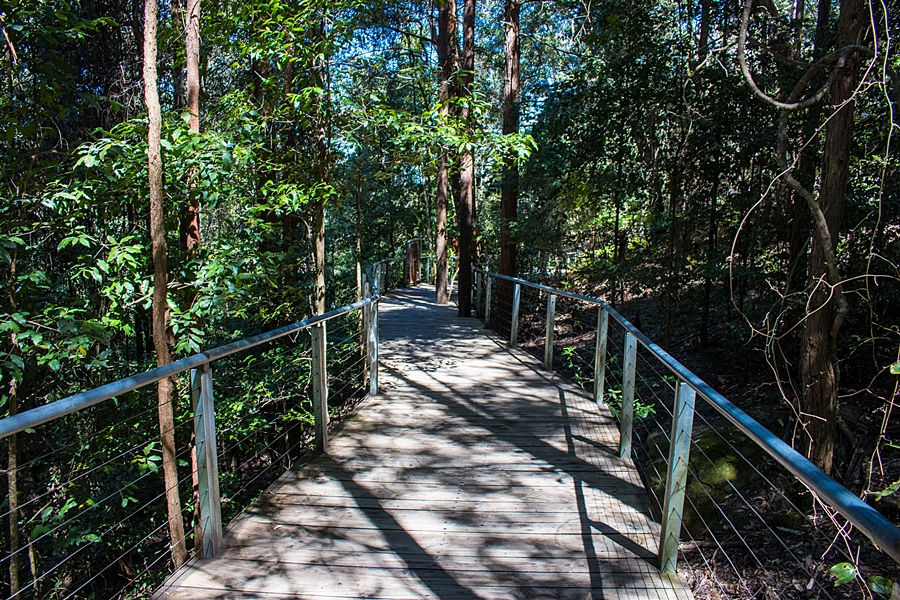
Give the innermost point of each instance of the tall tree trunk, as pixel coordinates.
(177, 13)
(160, 283)
(465, 211)
(509, 194)
(446, 46)
(357, 193)
(322, 166)
(703, 42)
(190, 223)
(806, 164)
(12, 471)
(711, 235)
(827, 307)
(675, 191)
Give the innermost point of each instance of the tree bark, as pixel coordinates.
(322, 166)
(160, 284)
(509, 194)
(818, 361)
(190, 224)
(12, 475)
(710, 261)
(703, 42)
(190, 221)
(446, 45)
(12, 471)
(465, 211)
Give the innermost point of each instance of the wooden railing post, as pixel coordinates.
(419, 246)
(676, 478)
(319, 386)
(548, 336)
(514, 323)
(487, 302)
(600, 355)
(428, 269)
(373, 347)
(407, 265)
(628, 395)
(478, 292)
(205, 449)
(450, 275)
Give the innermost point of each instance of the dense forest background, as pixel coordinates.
(683, 159)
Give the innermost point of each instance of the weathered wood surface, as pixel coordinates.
(474, 474)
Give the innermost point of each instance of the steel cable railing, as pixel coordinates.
(91, 509)
(743, 515)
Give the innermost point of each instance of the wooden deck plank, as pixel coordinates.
(474, 474)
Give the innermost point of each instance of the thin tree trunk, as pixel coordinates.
(465, 212)
(160, 283)
(190, 224)
(671, 277)
(357, 193)
(818, 361)
(703, 45)
(178, 16)
(616, 233)
(509, 194)
(322, 147)
(429, 234)
(710, 258)
(446, 46)
(12, 474)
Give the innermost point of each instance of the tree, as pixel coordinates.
(446, 50)
(510, 190)
(190, 225)
(465, 208)
(165, 391)
(827, 306)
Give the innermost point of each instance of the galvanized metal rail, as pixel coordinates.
(199, 366)
(873, 524)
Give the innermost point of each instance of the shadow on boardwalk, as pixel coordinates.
(473, 475)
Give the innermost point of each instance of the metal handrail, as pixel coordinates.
(54, 410)
(882, 532)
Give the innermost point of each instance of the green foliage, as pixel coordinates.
(613, 398)
(844, 573)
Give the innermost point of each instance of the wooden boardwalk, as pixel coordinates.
(473, 475)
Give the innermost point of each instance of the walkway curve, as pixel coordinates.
(474, 474)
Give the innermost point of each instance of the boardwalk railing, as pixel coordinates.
(640, 381)
(91, 511)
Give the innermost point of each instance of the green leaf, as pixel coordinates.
(845, 573)
(92, 537)
(895, 368)
(881, 585)
(888, 490)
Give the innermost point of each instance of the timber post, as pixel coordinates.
(628, 375)
(676, 478)
(206, 452)
(319, 383)
(548, 336)
(600, 354)
(514, 322)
